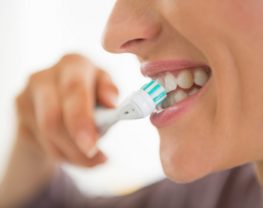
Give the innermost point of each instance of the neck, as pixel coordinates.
(259, 166)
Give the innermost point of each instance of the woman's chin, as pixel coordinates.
(184, 171)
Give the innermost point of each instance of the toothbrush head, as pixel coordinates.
(143, 102)
(156, 91)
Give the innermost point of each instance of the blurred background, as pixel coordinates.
(34, 34)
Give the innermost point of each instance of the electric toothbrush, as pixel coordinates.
(138, 105)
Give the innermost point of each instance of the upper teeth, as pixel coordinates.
(200, 77)
(185, 79)
(183, 84)
(170, 82)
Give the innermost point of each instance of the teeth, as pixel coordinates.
(193, 91)
(200, 77)
(185, 79)
(180, 95)
(171, 100)
(161, 81)
(170, 82)
(177, 96)
(159, 109)
(174, 98)
(166, 103)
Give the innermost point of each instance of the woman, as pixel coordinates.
(215, 44)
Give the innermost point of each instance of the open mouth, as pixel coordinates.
(183, 80)
(182, 84)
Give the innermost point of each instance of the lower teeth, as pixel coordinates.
(176, 97)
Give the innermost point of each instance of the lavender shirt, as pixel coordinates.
(235, 188)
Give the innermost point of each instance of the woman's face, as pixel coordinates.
(222, 125)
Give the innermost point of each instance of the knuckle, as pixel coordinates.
(75, 65)
(74, 58)
(75, 88)
(75, 72)
(37, 78)
(32, 80)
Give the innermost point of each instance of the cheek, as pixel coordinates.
(221, 20)
(240, 17)
(204, 140)
(223, 133)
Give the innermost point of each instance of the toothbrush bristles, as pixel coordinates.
(156, 91)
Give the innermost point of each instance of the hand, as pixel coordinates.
(56, 110)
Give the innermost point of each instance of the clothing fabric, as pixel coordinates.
(234, 188)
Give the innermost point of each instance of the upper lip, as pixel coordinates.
(153, 68)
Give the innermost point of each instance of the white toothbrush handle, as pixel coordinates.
(137, 105)
(105, 118)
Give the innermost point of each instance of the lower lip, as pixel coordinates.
(173, 113)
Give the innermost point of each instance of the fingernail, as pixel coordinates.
(84, 141)
(92, 152)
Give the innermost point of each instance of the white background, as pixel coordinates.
(33, 35)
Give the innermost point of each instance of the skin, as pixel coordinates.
(221, 130)
(56, 125)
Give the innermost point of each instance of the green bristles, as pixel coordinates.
(156, 91)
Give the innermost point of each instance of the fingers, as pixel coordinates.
(106, 90)
(76, 86)
(28, 127)
(58, 106)
(51, 131)
(24, 107)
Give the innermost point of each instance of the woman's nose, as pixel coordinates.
(131, 25)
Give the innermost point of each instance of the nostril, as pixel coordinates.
(131, 43)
